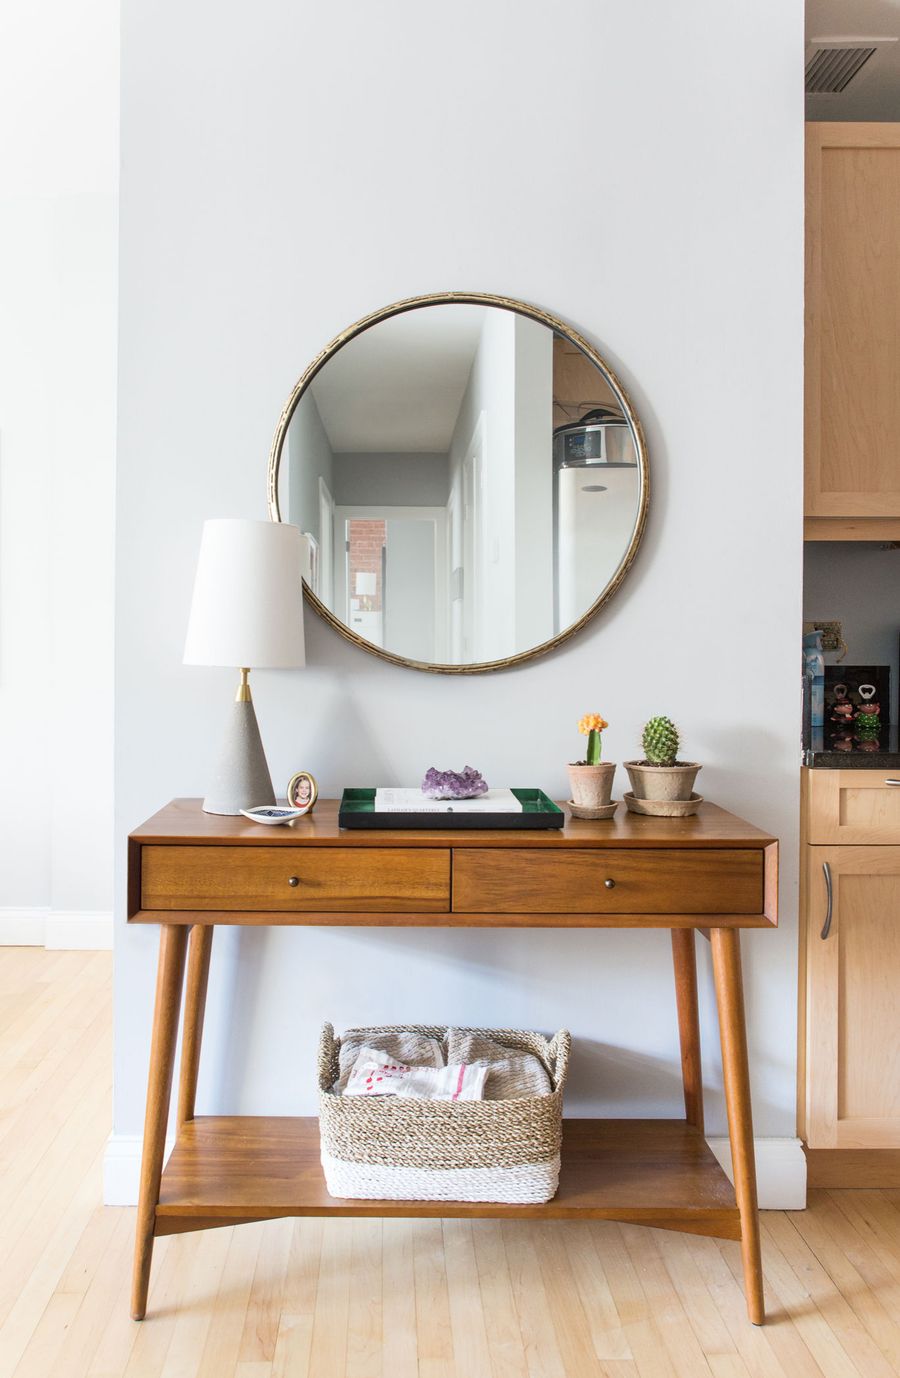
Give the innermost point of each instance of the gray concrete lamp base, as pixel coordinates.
(241, 779)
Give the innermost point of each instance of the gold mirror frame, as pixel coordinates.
(519, 308)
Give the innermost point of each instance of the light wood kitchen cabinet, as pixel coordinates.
(853, 1010)
(853, 807)
(849, 1089)
(852, 414)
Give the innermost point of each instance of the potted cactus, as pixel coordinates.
(591, 779)
(660, 776)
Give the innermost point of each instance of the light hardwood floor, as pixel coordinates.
(396, 1299)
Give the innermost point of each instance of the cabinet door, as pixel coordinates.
(853, 998)
(853, 320)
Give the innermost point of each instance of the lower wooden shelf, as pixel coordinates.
(226, 1169)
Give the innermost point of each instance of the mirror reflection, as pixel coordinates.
(469, 482)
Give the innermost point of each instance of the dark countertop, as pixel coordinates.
(882, 754)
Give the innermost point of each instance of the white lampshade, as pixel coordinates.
(247, 608)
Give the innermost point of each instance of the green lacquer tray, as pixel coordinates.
(538, 811)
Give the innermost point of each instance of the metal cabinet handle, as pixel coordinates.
(892, 782)
(829, 907)
(293, 880)
(610, 884)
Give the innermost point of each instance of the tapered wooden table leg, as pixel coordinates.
(199, 951)
(684, 958)
(726, 955)
(169, 981)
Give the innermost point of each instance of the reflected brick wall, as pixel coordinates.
(365, 557)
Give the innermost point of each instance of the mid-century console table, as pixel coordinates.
(189, 871)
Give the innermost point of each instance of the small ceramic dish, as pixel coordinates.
(273, 814)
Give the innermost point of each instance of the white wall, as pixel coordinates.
(533, 483)
(277, 191)
(58, 267)
(510, 395)
(488, 410)
(410, 611)
(391, 480)
(309, 458)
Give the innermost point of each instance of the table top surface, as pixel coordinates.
(183, 821)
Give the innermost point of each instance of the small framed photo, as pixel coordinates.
(302, 791)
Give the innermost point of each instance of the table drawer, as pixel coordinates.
(854, 807)
(651, 881)
(328, 879)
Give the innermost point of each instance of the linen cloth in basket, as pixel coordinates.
(395, 1148)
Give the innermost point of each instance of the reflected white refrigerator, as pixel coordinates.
(596, 510)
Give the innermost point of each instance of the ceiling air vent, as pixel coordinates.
(831, 70)
(832, 63)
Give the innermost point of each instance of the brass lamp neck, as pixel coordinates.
(243, 689)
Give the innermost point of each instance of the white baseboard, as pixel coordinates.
(79, 929)
(780, 1171)
(57, 929)
(122, 1169)
(23, 927)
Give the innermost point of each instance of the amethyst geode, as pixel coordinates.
(454, 784)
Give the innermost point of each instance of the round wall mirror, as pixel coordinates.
(470, 478)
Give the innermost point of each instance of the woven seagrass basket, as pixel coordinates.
(399, 1149)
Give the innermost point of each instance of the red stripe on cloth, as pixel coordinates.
(462, 1073)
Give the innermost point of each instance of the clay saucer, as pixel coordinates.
(663, 808)
(602, 811)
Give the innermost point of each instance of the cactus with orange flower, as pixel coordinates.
(591, 726)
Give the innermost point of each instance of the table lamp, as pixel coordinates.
(247, 612)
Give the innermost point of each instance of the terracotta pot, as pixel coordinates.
(662, 782)
(591, 786)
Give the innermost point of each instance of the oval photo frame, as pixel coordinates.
(534, 313)
(312, 786)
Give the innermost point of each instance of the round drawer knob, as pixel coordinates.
(610, 884)
(293, 880)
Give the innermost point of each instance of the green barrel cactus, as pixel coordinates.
(660, 742)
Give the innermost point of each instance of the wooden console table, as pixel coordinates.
(189, 871)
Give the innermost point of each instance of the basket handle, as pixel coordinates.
(559, 1050)
(328, 1056)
